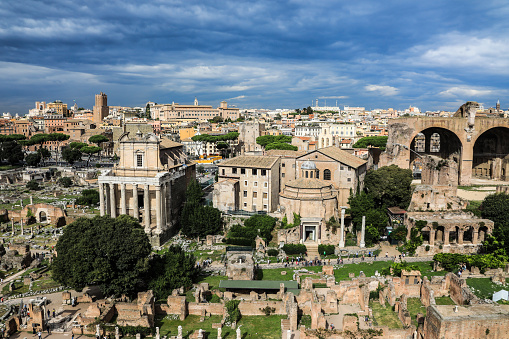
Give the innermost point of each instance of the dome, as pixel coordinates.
(308, 165)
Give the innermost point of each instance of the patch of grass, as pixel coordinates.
(385, 315)
(9, 167)
(369, 269)
(275, 274)
(305, 320)
(251, 326)
(212, 280)
(444, 301)
(44, 284)
(469, 188)
(415, 306)
(483, 287)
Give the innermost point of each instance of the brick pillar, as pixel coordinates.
(446, 236)
(475, 237)
(432, 237)
(460, 237)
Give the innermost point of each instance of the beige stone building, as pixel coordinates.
(248, 183)
(172, 111)
(148, 183)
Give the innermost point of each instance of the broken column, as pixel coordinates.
(179, 335)
(342, 232)
(219, 335)
(117, 333)
(363, 232)
(158, 336)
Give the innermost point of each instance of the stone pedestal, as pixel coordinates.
(179, 333)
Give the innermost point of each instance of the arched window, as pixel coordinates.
(326, 174)
(306, 174)
(435, 143)
(420, 143)
(311, 174)
(318, 174)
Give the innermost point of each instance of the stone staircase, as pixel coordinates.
(312, 249)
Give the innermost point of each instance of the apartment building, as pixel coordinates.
(171, 111)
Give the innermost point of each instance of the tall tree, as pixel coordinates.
(99, 139)
(71, 155)
(90, 150)
(112, 253)
(33, 159)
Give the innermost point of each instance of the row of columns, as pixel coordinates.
(162, 192)
(342, 231)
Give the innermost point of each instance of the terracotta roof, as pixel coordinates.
(251, 161)
(167, 143)
(307, 183)
(396, 210)
(285, 153)
(304, 138)
(342, 156)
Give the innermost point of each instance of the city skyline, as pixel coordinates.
(432, 55)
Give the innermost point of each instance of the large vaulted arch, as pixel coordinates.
(491, 154)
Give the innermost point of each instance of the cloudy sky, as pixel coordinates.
(272, 54)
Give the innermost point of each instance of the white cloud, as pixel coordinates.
(381, 89)
(465, 92)
(334, 97)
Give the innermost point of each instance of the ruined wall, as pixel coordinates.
(459, 291)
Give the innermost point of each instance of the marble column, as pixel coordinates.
(158, 209)
(12, 226)
(460, 237)
(101, 199)
(432, 237)
(123, 205)
(113, 203)
(163, 202)
(179, 332)
(363, 232)
(136, 211)
(21, 223)
(146, 202)
(342, 230)
(446, 237)
(219, 333)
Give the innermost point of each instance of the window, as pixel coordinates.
(234, 170)
(139, 160)
(282, 175)
(342, 168)
(265, 195)
(264, 172)
(326, 174)
(318, 174)
(255, 184)
(242, 171)
(349, 179)
(283, 164)
(255, 171)
(311, 174)
(245, 182)
(265, 184)
(223, 171)
(265, 207)
(255, 194)
(245, 204)
(307, 174)
(245, 194)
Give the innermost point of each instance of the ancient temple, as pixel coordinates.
(148, 183)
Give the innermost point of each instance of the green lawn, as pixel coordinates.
(275, 274)
(385, 315)
(415, 306)
(251, 326)
(444, 301)
(212, 280)
(370, 268)
(483, 287)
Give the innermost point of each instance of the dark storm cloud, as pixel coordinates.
(264, 54)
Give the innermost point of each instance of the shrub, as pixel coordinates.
(65, 181)
(232, 307)
(272, 252)
(294, 249)
(240, 242)
(427, 248)
(33, 185)
(327, 249)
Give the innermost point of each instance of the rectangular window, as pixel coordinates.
(245, 204)
(349, 179)
(139, 160)
(255, 184)
(255, 171)
(264, 172)
(342, 168)
(282, 175)
(223, 171)
(255, 194)
(265, 207)
(234, 170)
(242, 171)
(283, 164)
(265, 184)
(245, 194)
(265, 195)
(245, 183)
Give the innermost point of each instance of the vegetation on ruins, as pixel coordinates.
(233, 312)
(258, 224)
(197, 220)
(88, 197)
(291, 249)
(396, 268)
(452, 261)
(65, 182)
(326, 249)
(385, 187)
(378, 141)
(33, 185)
(173, 269)
(111, 253)
(496, 208)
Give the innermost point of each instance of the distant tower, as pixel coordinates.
(101, 109)
(498, 105)
(195, 101)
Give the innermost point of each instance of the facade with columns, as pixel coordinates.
(148, 183)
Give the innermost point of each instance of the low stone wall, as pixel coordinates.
(209, 308)
(459, 291)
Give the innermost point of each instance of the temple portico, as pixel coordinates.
(148, 184)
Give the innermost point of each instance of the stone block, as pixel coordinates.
(328, 270)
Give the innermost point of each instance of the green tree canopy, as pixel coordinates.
(11, 137)
(112, 253)
(173, 269)
(71, 155)
(88, 197)
(198, 220)
(216, 138)
(77, 144)
(44, 152)
(389, 186)
(90, 150)
(379, 142)
(65, 181)
(98, 139)
(33, 159)
(262, 225)
(11, 152)
(265, 140)
(281, 146)
(33, 185)
(495, 207)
